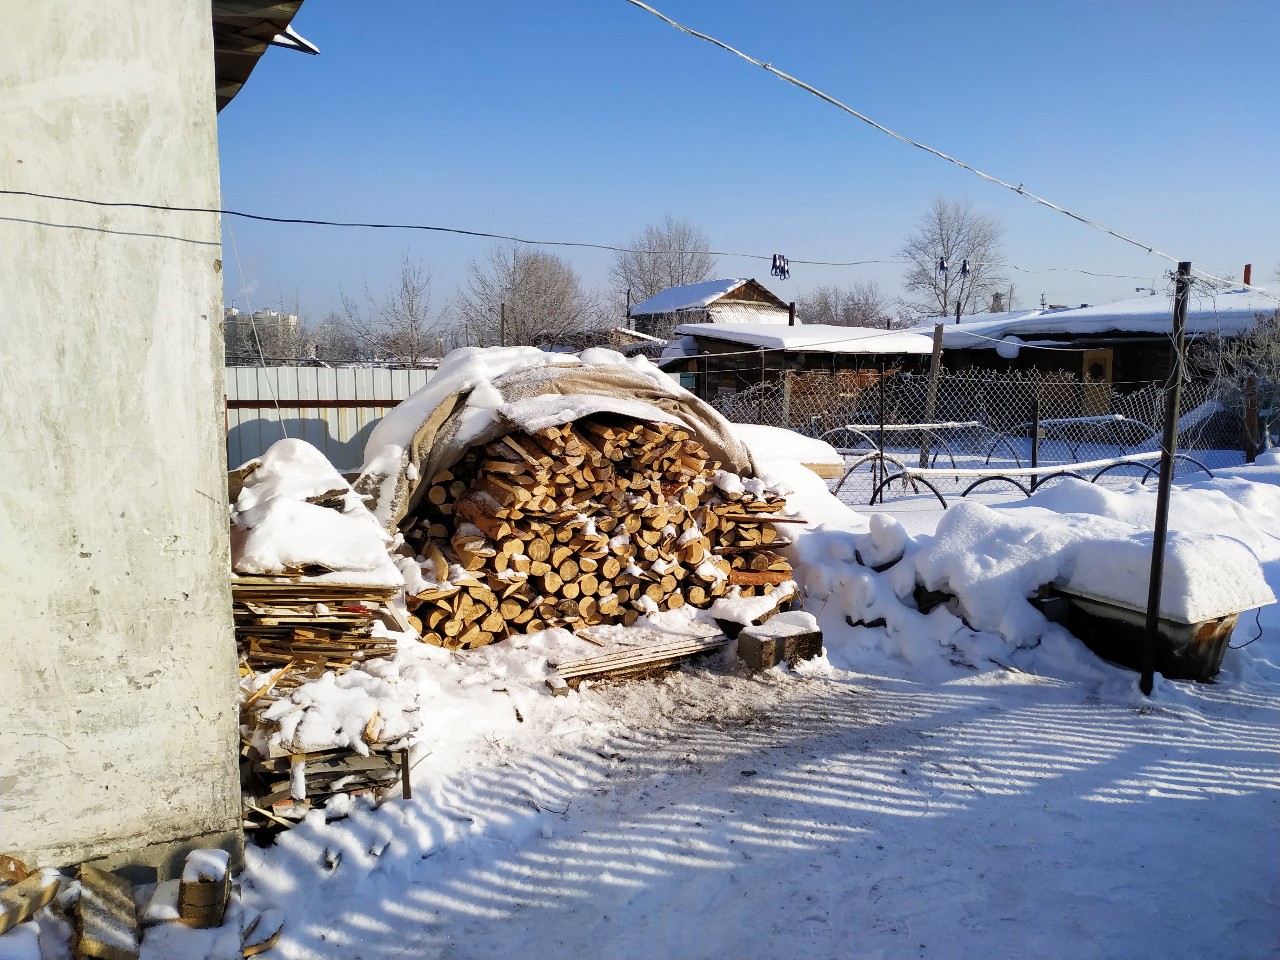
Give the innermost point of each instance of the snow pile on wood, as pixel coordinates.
(293, 514)
(539, 492)
(323, 704)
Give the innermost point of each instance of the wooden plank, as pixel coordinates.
(18, 903)
(655, 653)
(106, 920)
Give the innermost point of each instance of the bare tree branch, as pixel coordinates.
(862, 305)
(545, 304)
(952, 232)
(662, 255)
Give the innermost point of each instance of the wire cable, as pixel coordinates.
(611, 248)
(1018, 189)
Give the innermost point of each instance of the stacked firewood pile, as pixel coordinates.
(597, 521)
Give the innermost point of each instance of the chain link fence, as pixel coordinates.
(986, 419)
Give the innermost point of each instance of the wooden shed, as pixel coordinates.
(713, 301)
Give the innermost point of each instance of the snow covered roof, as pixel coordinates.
(690, 296)
(697, 296)
(740, 311)
(812, 338)
(1229, 313)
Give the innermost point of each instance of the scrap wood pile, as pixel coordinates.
(294, 635)
(312, 588)
(301, 628)
(94, 912)
(599, 520)
(279, 789)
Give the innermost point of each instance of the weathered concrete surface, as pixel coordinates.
(117, 696)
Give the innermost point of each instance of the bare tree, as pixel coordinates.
(520, 297)
(1247, 362)
(662, 255)
(862, 305)
(954, 254)
(400, 325)
(333, 341)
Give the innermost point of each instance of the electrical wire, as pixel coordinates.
(1018, 189)
(612, 248)
(1257, 636)
(428, 228)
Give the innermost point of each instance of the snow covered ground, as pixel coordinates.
(924, 790)
(900, 798)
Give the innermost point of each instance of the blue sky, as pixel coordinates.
(584, 120)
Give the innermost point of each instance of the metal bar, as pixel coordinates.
(310, 404)
(881, 470)
(1168, 447)
(1035, 434)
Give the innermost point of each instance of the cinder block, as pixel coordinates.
(787, 637)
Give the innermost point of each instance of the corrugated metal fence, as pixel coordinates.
(333, 409)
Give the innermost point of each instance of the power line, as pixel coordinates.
(460, 231)
(1018, 189)
(428, 228)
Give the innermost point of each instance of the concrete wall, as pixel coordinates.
(117, 690)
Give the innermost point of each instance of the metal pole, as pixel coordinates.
(1168, 447)
(760, 391)
(1035, 435)
(880, 472)
(502, 324)
(931, 400)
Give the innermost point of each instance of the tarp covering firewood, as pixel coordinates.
(532, 490)
(481, 394)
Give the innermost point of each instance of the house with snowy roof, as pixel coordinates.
(1127, 342)
(712, 301)
(716, 359)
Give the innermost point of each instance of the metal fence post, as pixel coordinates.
(1169, 446)
(1035, 436)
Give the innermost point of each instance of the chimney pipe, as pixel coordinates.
(1248, 273)
(791, 314)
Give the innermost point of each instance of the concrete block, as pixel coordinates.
(786, 637)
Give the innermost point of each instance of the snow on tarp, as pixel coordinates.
(480, 394)
(275, 530)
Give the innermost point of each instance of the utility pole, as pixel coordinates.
(1168, 447)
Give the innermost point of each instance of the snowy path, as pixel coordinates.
(825, 816)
